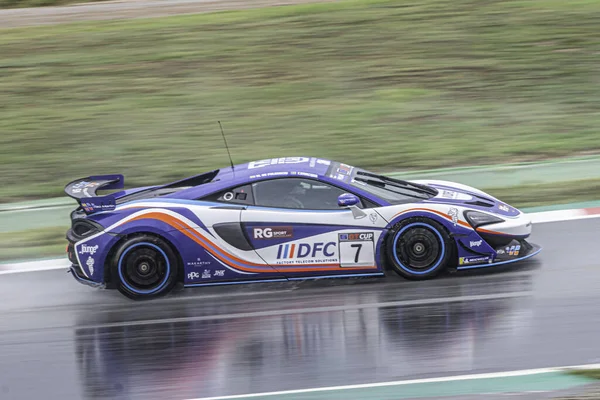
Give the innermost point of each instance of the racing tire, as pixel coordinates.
(145, 267)
(419, 248)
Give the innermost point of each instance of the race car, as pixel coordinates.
(283, 219)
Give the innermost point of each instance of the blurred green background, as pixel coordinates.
(384, 85)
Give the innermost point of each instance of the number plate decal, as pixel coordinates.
(357, 249)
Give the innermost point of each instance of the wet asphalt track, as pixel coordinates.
(62, 340)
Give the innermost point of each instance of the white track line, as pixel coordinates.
(504, 374)
(536, 218)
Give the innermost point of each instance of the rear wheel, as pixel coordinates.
(419, 248)
(145, 266)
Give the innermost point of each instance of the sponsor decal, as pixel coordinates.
(473, 260)
(78, 187)
(344, 169)
(95, 206)
(504, 208)
(307, 174)
(277, 161)
(269, 174)
(90, 264)
(198, 263)
(453, 212)
(373, 217)
(85, 249)
(513, 250)
(475, 243)
(447, 194)
(500, 251)
(356, 249)
(307, 252)
(276, 232)
(193, 275)
(228, 196)
(206, 274)
(220, 272)
(354, 237)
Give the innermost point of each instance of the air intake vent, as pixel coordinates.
(480, 203)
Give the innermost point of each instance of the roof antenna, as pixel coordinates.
(227, 147)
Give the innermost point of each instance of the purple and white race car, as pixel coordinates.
(284, 219)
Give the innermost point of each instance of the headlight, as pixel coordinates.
(476, 218)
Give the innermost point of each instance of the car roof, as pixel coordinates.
(270, 166)
(307, 167)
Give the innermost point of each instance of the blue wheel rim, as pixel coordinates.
(408, 269)
(160, 285)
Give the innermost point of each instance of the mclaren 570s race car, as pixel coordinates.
(284, 219)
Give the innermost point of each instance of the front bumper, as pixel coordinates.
(76, 272)
(517, 250)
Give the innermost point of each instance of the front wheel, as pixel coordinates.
(145, 266)
(419, 248)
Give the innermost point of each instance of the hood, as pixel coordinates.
(467, 196)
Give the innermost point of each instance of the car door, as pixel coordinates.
(297, 227)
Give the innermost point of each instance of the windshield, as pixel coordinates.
(394, 191)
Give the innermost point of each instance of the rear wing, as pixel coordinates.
(84, 191)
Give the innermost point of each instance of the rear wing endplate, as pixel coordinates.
(84, 191)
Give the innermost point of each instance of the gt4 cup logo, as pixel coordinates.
(277, 232)
(90, 264)
(356, 237)
(85, 249)
(307, 252)
(193, 275)
(453, 213)
(475, 243)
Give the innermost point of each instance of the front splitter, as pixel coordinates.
(534, 251)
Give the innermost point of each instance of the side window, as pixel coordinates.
(296, 193)
(239, 195)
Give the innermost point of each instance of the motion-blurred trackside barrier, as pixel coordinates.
(55, 212)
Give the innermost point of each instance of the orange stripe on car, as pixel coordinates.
(214, 249)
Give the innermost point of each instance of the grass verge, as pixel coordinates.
(377, 83)
(33, 244)
(587, 373)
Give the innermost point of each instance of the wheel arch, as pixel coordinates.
(416, 217)
(110, 258)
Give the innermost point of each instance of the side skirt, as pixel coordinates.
(306, 278)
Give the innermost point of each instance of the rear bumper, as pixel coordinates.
(76, 272)
(516, 251)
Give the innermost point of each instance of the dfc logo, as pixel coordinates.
(303, 250)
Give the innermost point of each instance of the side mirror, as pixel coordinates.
(347, 200)
(350, 201)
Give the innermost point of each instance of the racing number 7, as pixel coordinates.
(357, 246)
